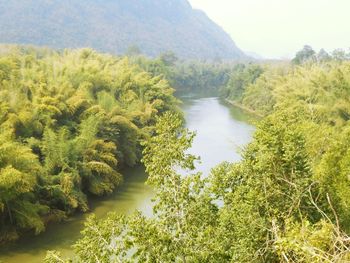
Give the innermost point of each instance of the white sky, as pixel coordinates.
(279, 28)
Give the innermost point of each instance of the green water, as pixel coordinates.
(222, 131)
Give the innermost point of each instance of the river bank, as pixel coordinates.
(239, 105)
(221, 132)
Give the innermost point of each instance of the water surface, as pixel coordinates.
(222, 131)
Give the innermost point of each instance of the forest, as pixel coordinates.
(112, 26)
(174, 131)
(69, 122)
(287, 200)
(186, 76)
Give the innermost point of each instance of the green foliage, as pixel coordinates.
(307, 54)
(242, 212)
(305, 242)
(286, 201)
(183, 213)
(310, 103)
(333, 172)
(320, 89)
(241, 77)
(270, 186)
(188, 76)
(68, 122)
(19, 171)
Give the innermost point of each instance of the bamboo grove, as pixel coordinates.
(69, 121)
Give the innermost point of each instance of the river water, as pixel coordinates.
(221, 130)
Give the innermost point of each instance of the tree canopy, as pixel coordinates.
(68, 122)
(287, 200)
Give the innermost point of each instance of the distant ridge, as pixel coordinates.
(154, 26)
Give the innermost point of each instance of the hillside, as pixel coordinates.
(154, 26)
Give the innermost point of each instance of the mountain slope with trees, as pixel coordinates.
(154, 26)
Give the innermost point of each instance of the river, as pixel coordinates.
(222, 131)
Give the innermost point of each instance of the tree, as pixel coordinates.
(340, 54)
(242, 77)
(183, 213)
(304, 55)
(81, 115)
(168, 58)
(323, 56)
(133, 50)
(19, 171)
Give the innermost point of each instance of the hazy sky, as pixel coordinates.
(278, 28)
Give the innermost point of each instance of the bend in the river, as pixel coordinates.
(221, 130)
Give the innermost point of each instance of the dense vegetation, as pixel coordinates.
(68, 122)
(155, 26)
(312, 78)
(286, 201)
(187, 76)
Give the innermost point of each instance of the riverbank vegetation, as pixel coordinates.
(308, 79)
(187, 76)
(287, 200)
(69, 121)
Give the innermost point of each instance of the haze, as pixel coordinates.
(278, 28)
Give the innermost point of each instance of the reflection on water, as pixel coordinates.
(134, 194)
(221, 132)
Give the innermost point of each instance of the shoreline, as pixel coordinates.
(238, 105)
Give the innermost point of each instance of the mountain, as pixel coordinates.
(154, 26)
